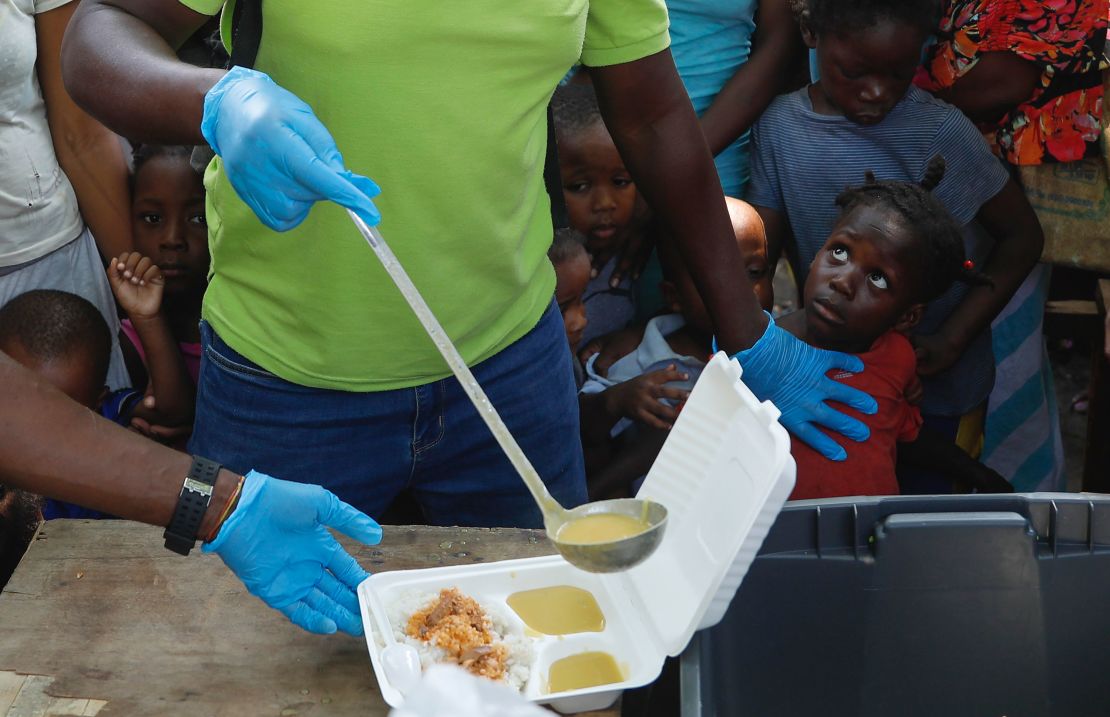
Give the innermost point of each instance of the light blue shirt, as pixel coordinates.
(710, 40)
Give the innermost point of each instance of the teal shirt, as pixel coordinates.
(710, 40)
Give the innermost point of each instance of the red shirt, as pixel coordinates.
(869, 469)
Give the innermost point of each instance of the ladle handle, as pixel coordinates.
(548, 505)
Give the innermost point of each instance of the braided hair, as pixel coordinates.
(837, 16)
(937, 246)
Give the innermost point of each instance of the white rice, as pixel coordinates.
(518, 664)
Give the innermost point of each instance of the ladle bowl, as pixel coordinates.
(617, 555)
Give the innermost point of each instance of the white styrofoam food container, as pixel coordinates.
(723, 475)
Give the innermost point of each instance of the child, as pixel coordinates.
(64, 338)
(644, 388)
(747, 228)
(572, 275)
(601, 200)
(863, 114)
(893, 250)
(169, 227)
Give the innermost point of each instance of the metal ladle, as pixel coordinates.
(606, 557)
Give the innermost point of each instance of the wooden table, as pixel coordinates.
(100, 618)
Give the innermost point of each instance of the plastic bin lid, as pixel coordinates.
(723, 474)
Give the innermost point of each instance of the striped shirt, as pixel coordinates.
(801, 160)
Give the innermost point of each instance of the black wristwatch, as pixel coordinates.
(192, 503)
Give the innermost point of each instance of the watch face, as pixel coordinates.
(198, 486)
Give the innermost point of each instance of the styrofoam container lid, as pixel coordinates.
(723, 474)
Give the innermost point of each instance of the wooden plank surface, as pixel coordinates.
(99, 618)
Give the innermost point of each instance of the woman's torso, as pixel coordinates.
(38, 209)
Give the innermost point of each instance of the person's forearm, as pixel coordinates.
(662, 145)
(97, 169)
(1007, 266)
(55, 447)
(126, 74)
(88, 153)
(173, 390)
(777, 46)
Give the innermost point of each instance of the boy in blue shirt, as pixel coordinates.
(863, 115)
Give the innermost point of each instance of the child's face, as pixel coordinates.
(751, 237)
(74, 375)
(168, 222)
(571, 278)
(598, 189)
(859, 287)
(866, 73)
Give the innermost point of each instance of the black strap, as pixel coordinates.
(192, 503)
(246, 36)
(246, 33)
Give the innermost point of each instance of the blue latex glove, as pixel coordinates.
(791, 374)
(276, 542)
(279, 157)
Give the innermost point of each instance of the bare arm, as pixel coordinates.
(767, 73)
(654, 126)
(1010, 220)
(56, 447)
(118, 62)
(139, 285)
(89, 154)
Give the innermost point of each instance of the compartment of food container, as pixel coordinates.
(723, 474)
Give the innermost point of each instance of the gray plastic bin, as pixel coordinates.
(936, 606)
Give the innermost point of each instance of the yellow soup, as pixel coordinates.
(601, 528)
(559, 610)
(577, 672)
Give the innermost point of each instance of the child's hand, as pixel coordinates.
(137, 284)
(641, 398)
(935, 353)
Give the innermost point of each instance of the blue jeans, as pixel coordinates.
(368, 447)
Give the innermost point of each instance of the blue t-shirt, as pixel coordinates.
(710, 40)
(801, 160)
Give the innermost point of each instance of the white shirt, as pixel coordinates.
(38, 209)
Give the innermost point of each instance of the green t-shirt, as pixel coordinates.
(444, 105)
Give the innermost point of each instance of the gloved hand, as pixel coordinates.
(791, 374)
(277, 154)
(276, 542)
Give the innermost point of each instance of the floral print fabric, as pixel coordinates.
(1065, 38)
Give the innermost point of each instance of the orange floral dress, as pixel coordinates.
(1061, 122)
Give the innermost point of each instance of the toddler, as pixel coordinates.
(893, 250)
(863, 114)
(601, 203)
(64, 339)
(628, 408)
(170, 232)
(572, 275)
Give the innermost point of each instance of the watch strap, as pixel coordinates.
(192, 503)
